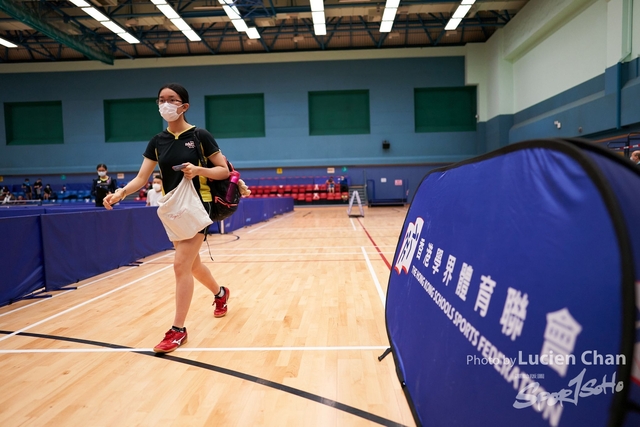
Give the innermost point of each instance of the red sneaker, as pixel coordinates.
(172, 340)
(221, 303)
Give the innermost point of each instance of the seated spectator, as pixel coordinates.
(6, 197)
(330, 185)
(635, 157)
(47, 192)
(26, 188)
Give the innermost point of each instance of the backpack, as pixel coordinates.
(220, 207)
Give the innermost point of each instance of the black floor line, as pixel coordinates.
(291, 390)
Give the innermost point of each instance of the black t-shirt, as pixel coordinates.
(100, 188)
(38, 187)
(169, 150)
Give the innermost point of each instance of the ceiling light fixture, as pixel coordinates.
(236, 19)
(389, 14)
(117, 29)
(80, 3)
(461, 11)
(180, 24)
(452, 24)
(317, 5)
(192, 36)
(385, 26)
(168, 11)
(7, 43)
(232, 12)
(129, 38)
(105, 21)
(319, 20)
(95, 14)
(240, 25)
(392, 3)
(459, 14)
(253, 33)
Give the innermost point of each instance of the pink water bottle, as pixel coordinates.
(233, 185)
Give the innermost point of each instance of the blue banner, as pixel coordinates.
(22, 257)
(511, 298)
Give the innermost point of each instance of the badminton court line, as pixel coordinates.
(64, 291)
(242, 376)
(270, 223)
(192, 350)
(84, 303)
(373, 276)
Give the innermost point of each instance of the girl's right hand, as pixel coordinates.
(112, 198)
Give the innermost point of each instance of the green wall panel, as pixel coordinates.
(445, 109)
(131, 119)
(33, 123)
(344, 112)
(235, 116)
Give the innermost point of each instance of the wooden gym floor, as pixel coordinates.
(299, 346)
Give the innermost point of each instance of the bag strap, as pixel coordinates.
(203, 159)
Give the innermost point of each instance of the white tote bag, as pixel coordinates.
(182, 212)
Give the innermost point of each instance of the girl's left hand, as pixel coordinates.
(190, 171)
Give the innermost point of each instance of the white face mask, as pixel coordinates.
(157, 187)
(169, 112)
(102, 173)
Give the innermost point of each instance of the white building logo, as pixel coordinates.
(409, 245)
(560, 338)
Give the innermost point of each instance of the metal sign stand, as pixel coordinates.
(355, 195)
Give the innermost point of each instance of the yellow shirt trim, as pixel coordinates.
(178, 134)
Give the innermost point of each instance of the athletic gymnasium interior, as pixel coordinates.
(438, 226)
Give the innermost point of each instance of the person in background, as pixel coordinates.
(6, 197)
(635, 157)
(155, 192)
(142, 194)
(102, 185)
(176, 146)
(47, 192)
(37, 189)
(331, 185)
(343, 185)
(26, 189)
